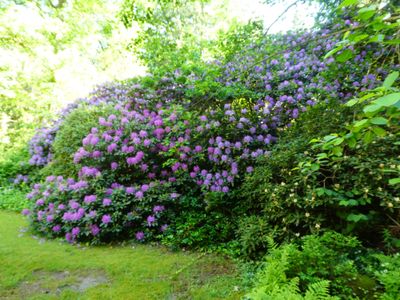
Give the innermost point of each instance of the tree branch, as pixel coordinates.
(280, 16)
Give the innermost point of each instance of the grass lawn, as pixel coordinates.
(34, 268)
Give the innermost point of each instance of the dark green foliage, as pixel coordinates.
(388, 275)
(258, 188)
(199, 228)
(295, 196)
(253, 233)
(329, 257)
(352, 271)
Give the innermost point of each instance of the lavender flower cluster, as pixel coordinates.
(21, 179)
(70, 208)
(299, 74)
(40, 146)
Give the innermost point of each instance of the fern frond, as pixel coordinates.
(318, 290)
(271, 244)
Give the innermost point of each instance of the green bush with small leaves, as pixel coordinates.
(13, 199)
(69, 139)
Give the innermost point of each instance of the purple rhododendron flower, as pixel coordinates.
(89, 199)
(69, 237)
(158, 208)
(75, 231)
(39, 202)
(139, 194)
(130, 190)
(106, 201)
(74, 204)
(139, 235)
(249, 169)
(106, 219)
(94, 229)
(56, 228)
(145, 187)
(150, 220)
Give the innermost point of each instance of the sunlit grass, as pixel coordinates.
(34, 268)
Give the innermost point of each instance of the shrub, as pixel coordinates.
(199, 227)
(139, 148)
(16, 173)
(257, 191)
(68, 138)
(253, 234)
(40, 146)
(299, 195)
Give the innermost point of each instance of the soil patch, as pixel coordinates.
(53, 283)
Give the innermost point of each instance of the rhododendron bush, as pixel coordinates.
(139, 151)
(167, 140)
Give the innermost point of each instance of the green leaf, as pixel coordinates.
(352, 102)
(379, 131)
(372, 108)
(387, 100)
(356, 217)
(329, 192)
(366, 97)
(350, 202)
(368, 137)
(347, 3)
(353, 202)
(394, 181)
(377, 38)
(330, 137)
(314, 167)
(392, 42)
(366, 13)
(390, 79)
(338, 141)
(352, 142)
(333, 51)
(361, 123)
(314, 141)
(379, 121)
(358, 38)
(337, 151)
(345, 56)
(322, 155)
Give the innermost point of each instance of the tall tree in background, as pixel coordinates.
(52, 52)
(166, 30)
